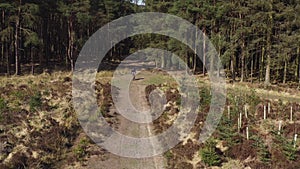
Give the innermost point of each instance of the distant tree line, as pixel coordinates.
(51, 33)
(256, 40)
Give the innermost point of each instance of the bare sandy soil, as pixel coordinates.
(129, 128)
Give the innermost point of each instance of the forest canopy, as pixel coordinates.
(256, 40)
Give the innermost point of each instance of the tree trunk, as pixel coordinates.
(195, 54)
(251, 71)
(3, 42)
(45, 58)
(17, 63)
(298, 54)
(187, 61)
(284, 71)
(269, 34)
(71, 41)
(7, 60)
(204, 52)
(232, 68)
(170, 64)
(219, 63)
(32, 62)
(162, 60)
(211, 65)
(267, 77)
(243, 62)
(2, 53)
(243, 53)
(262, 63)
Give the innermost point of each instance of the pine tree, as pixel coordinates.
(6, 33)
(74, 12)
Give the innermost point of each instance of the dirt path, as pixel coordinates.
(129, 128)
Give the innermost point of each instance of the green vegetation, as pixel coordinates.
(290, 151)
(81, 150)
(159, 78)
(263, 152)
(205, 96)
(227, 132)
(35, 101)
(168, 155)
(287, 147)
(209, 155)
(3, 105)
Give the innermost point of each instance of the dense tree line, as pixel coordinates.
(51, 33)
(256, 40)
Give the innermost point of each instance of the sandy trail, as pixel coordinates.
(129, 128)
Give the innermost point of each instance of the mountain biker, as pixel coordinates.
(133, 72)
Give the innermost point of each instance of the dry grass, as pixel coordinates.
(56, 96)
